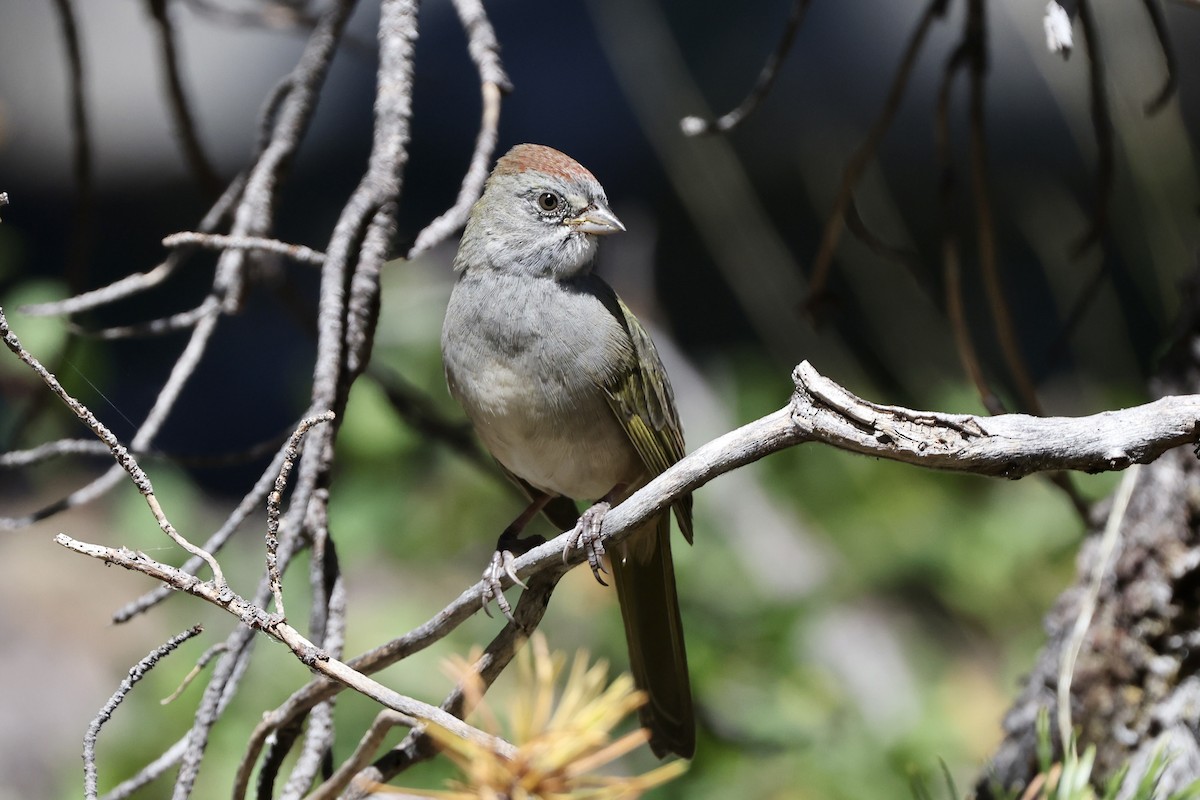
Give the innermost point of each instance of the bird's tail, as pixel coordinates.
(645, 578)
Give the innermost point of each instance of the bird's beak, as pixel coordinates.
(596, 220)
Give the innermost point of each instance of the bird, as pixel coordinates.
(566, 390)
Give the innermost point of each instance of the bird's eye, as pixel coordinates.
(548, 201)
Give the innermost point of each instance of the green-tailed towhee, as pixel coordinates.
(566, 390)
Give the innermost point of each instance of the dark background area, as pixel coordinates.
(938, 582)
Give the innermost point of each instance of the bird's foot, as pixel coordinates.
(587, 535)
(501, 565)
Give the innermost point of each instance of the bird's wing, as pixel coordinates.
(642, 399)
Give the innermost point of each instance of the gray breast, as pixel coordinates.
(526, 359)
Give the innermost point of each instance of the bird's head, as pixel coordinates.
(540, 214)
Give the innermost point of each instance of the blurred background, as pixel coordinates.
(851, 623)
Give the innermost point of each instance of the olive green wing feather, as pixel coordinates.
(643, 402)
(640, 396)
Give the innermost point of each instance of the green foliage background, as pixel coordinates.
(932, 592)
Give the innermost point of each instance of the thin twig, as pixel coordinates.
(951, 262)
(485, 53)
(1101, 126)
(255, 618)
(90, 447)
(151, 772)
(975, 42)
(277, 750)
(472, 184)
(215, 241)
(291, 453)
(697, 126)
(975, 39)
(379, 187)
(1087, 607)
(363, 753)
(222, 687)
(181, 321)
(417, 746)
(289, 110)
(140, 281)
(858, 162)
(122, 455)
(181, 114)
(123, 287)
(328, 625)
(49, 450)
(1008, 445)
(368, 218)
(248, 504)
(1159, 23)
(136, 673)
(362, 307)
(202, 662)
(81, 158)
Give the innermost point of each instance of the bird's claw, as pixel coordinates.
(500, 565)
(586, 534)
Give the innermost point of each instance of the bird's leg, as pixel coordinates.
(508, 547)
(587, 532)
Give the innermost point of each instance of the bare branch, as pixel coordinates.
(277, 750)
(291, 452)
(1087, 606)
(215, 241)
(417, 746)
(252, 501)
(485, 52)
(181, 321)
(185, 124)
(328, 623)
(202, 662)
(122, 455)
(1159, 23)
(49, 450)
(1101, 126)
(951, 261)
(368, 218)
(472, 184)
(975, 44)
(1006, 445)
(81, 148)
(290, 110)
(152, 771)
(361, 757)
(696, 126)
(858, 162)
(139, 281)
(136, 673)
(257, 619)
